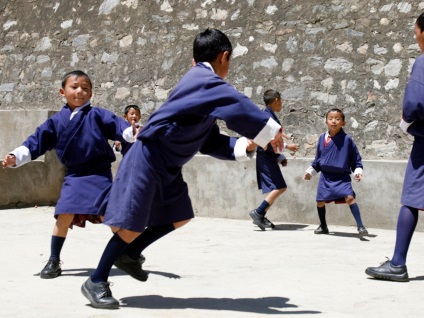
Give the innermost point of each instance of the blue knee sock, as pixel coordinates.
(321, 215)
(407, 221)
(262, 208)
(56, 245)
(113, 249)
(354, 208)
(151, 234)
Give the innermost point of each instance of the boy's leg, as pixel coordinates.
(130, 262)
(258, 215)
(322, 228)
(96, 288)
(396, 269)
(52, 268)
(354, 208)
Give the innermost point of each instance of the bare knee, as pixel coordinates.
(320, 204)
(181, 223)
(350, 199)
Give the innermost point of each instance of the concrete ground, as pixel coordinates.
(211, 268)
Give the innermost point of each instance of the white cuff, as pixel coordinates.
(280, 151)
(240, 152)
(22, 156)
(311, 171)
(404, 126)
(358, 171)
(281, 157)
(128, 134)
(267, 133)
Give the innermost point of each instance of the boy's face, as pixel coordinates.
(77, 91)
(276, 105)
(419, 37)
(133, 116)
(334, 122)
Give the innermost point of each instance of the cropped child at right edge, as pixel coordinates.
(336, 157)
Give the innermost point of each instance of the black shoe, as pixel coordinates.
(362, 231)
(321, 230)
(142, 259)
(268, 223)
(388, 271)
(99, 295)
(132, 267)
(258, 220)
(52, 269)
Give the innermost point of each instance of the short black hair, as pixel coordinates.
(337, 110)
(209, 44)
(420, 22)
(270, 95)
(127, 108)
(76, 73)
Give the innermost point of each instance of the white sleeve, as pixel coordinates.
(404, 126)
(358, 171)
(311, 171)
(240, 152)
(22, 156)
(128, 134)
(281, 157)
(267, 133)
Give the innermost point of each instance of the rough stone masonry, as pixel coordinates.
(351, 54)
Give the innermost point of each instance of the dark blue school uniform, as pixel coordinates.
(82, 146)
(149, 188)
(268, 173)
(336, 161)
(413, 111)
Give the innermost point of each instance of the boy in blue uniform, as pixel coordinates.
(132, 114)
(269, 176)
(413, 187)
(149, 196)
(79, 133)
(336, 157)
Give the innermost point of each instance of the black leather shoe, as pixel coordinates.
(362, 231)
(321, 230)
(388, 271)
(132, 267)
(268, 223)
(258, 220)
(99, 295)
(52, 269)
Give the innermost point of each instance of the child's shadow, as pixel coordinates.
(265, 305)
(289, 227)
(85, 272)
(353, 235)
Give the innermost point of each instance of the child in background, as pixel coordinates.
(336, 157)
(79, 133)
(132, 114)
(269, 176)
(149, 197)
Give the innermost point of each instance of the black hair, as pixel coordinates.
(270, 95)
(209, 44)
(76, 73)
(420, 22)
(127, 109)
(337, 110)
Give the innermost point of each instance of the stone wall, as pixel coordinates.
(351, 54)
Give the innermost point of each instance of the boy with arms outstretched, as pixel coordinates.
(149, 197)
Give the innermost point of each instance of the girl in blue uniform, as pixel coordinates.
(413, 187)
(79, 133)
(336, 157)
(149, 195)
(269, 176)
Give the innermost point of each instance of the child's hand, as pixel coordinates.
(277, 142)
(284, 162)
(292, 147)
(136, 128)
(9, 161)
(307, 176)
(358, 177)
(251, 146)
